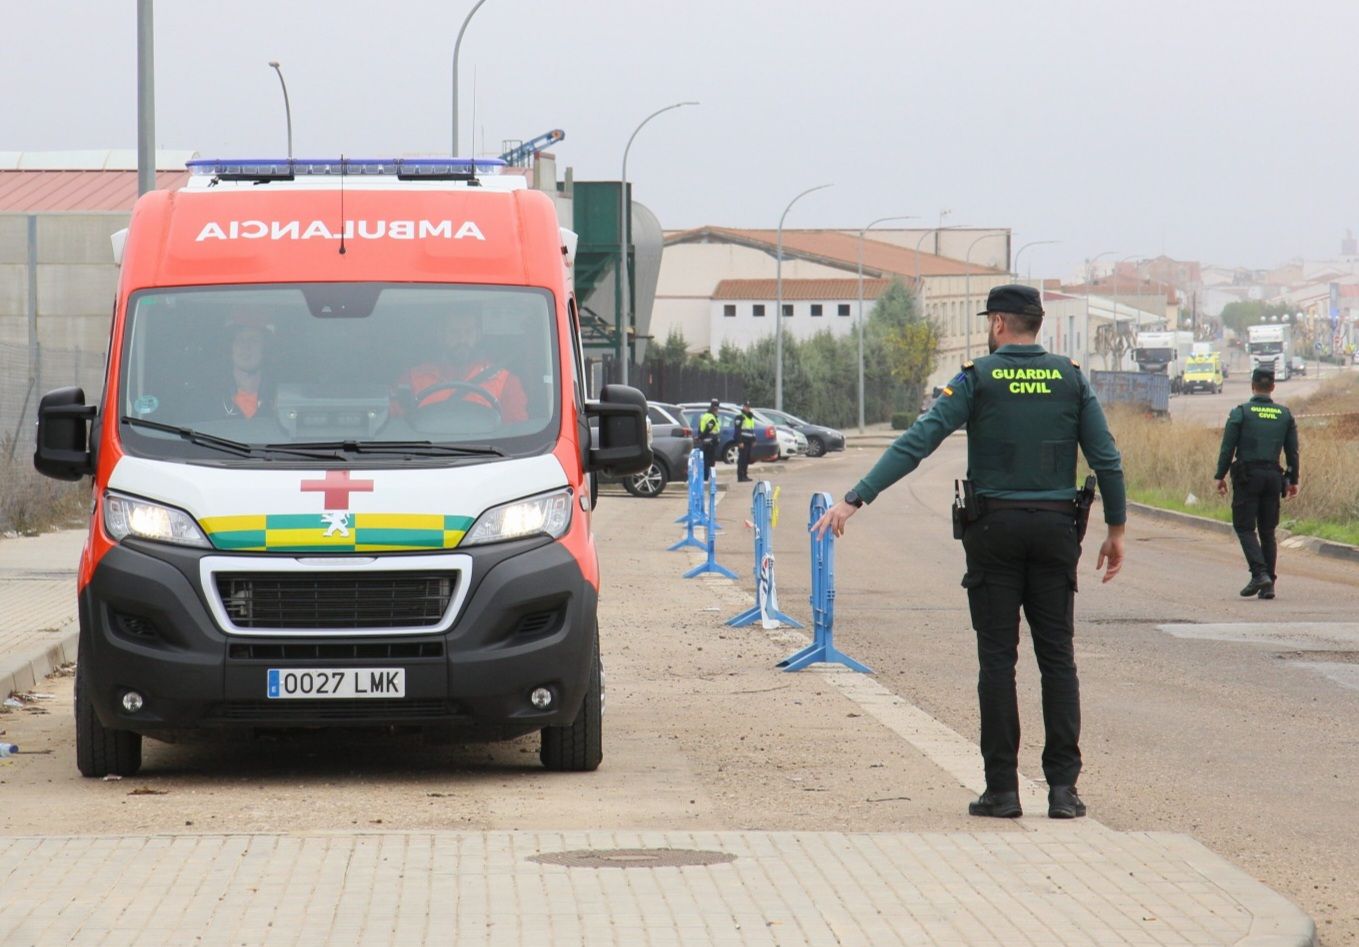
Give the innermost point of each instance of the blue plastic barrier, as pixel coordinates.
(766, 599)
(710, 529)
(822, 650)
(694, 515)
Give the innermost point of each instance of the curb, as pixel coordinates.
(1322, 547)
(19, 673)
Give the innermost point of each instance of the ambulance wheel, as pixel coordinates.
(100, 751)
(579, 747)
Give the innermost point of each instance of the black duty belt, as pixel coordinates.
(1048, 506)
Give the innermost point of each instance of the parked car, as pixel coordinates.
(766, 433)
(671, 442)
(791, 443)
(819, 439)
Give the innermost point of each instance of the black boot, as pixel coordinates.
(1267, 589)
(1063, 803)
(997, 805)
(1256, 585)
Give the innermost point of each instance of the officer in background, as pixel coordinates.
(709, 429)
(745, 442)
(1256, 432)
(1026, 412)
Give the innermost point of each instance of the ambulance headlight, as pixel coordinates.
(128, 516)
(548, 514)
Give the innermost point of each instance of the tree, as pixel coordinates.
(908, 343)
(1250, 312)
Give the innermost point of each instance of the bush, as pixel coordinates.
(31, 503)
(901, 420)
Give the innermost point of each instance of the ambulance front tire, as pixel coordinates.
(579, 747)
(491, 400)
(100, 751)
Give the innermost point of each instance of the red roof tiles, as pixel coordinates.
(47, 191)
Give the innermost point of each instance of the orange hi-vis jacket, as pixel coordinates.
(501, 384)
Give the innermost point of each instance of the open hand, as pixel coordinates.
(1292, 490)
(834, 519)
(1222, 487)
(1111, 552)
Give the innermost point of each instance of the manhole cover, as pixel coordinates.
(633, 858)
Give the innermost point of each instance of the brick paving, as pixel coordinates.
(1058, 886)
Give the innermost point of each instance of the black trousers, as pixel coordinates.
(709, 457)
(1255, 514)
(1025, 559)
(745, 446)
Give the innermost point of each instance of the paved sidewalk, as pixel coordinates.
(1059, 886)
(37, 606)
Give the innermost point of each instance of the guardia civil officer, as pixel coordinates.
(1256, 432)
(1020, 520)
(745, 442)
(709, 429)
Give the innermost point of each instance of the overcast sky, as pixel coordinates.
(1219, 130)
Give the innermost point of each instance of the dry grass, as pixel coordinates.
(31, 503)
(1165, 462)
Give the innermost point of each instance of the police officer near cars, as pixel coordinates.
(709, 430)
(1255, 433)
(745, 442)
(1021, 520)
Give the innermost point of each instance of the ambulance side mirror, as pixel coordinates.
(63, 451)
(624, 445)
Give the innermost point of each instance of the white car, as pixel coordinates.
(791, 443)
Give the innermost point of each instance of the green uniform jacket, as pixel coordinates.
(1026, 411)
(1257, 431)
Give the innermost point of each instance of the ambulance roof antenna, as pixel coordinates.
(342, 223)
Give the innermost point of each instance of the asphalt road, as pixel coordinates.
(1211, 410)
(1203, 713)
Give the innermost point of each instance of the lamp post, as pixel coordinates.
(456, 46)
(622, 293)
(1031, 243)
(919, 286)
(146, 99)
(287, 109)
(1114, 281)
(1089, 277)
(880, 220)
(778, 300)
(967, 291)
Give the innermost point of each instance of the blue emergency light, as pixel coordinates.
(298, 167)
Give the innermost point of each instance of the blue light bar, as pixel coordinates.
(299, 167)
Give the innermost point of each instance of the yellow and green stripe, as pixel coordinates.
(306, 532)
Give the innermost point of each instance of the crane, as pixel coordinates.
(518, 156)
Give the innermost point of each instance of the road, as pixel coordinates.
(1204, 713)
(1211, 410)
(1231, 720)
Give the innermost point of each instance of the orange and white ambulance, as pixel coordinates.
(342, 464)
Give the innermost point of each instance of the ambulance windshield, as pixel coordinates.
(353, 367)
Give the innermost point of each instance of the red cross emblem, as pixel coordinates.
(337, 486)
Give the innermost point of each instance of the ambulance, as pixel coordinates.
(342, 464)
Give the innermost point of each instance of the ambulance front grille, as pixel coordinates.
(302, 601)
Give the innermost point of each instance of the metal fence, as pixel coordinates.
(661, 381)
(26, 374)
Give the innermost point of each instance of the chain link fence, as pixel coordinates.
(26, 375)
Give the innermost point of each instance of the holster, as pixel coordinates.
(966, 507)
(1084, 500)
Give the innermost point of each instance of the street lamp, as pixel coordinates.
(1031, 243)
(919, 286)
(621, 288)
(880, 220)
(1089, 277)
(1119, 364)
(456, 46)
(287, 109)
(778, 300)
(969, 314)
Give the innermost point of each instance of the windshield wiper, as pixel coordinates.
(225, 443)
(422, 448)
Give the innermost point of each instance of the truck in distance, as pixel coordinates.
(1164, 353)
(1270, 346)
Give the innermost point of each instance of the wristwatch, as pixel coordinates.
(853, 499)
